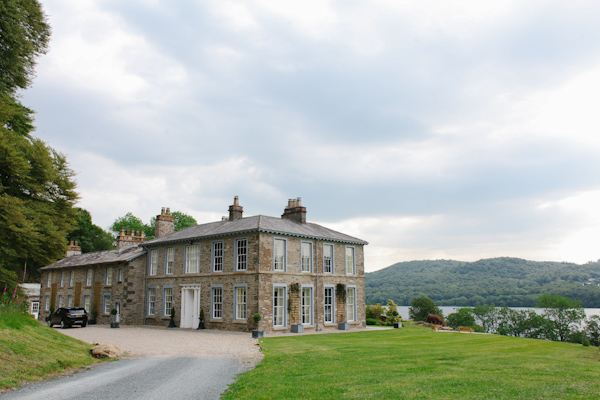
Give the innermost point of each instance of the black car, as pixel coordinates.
(67, 317)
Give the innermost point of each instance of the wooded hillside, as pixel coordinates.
(510, 282)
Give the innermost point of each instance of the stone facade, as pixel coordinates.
(228, 271)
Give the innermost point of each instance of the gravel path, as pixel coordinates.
(138, 341)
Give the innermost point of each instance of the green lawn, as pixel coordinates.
(417, 363)
(30, 351)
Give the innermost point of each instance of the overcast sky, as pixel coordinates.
(432, 129)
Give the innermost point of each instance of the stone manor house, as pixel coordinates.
(297, 275)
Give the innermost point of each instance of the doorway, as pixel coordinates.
(190, 306)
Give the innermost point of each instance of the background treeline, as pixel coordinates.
(502, 282)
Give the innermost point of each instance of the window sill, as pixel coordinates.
(280, 328)
(151, 316)
(240, 321)
(215, 320)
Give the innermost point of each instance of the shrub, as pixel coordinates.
(374, 311)
(391, 315)
(435, 319)
(423, 306)
(462, 317)
(585, 341)
(371, 321)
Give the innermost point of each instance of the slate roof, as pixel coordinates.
(98, 257)
(257, 223)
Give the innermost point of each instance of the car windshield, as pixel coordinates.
(77, 311)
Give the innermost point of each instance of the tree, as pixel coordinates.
(89, 236)
(487, 316)
(24, 36)
(592, 329)
(423, 306)
(462, 317)
(131, 222)
(564, 314)
(37, 191)
(374, 311)
(391, 314)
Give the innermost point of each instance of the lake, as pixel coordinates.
(403, 310)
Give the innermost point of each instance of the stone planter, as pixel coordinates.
(257, 334)
(397, 325)
(115, 324)
(344, 326)
(297, 328)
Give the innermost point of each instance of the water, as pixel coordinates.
(403, 310)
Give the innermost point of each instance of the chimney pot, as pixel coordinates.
(168, 211)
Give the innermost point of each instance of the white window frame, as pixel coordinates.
(351, 306)
(49, 279)
(87, 302)
(69, 301)
(151, 301)
(35, 307)
(61, 280)
(216, 302)
(59, 301)
(170, 261)
(46, 303)
(108, 276)
(276, 266)
(306, 304)
(106, 302)
(217, 253)
(350, 263)
(240, 302)
(119, 274)
(168, 300)
(330, 305)
(89, 275)
(331, 259)
(192, 265)
(241, 254)
(71, 278)
(153, 263)
(280, 307)
(306, 261)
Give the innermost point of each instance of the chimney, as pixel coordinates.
(165, 223)
(295, 211)
(127, 239)
(73, 249)
(235, 211)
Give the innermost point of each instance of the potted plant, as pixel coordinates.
(257, 333)
(172, 322)
(201, 318)
(93, 317)
(116, 318)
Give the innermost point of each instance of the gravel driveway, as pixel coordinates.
(138, 341)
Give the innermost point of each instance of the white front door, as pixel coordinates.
(190, 306)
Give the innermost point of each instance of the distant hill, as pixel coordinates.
(511, 282)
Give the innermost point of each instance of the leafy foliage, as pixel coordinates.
(89, 236)
(463, 317)
(421, 307)
(374, 311)
(565, 314)
(391, 313)
(24, 37)
(510, 282)
(130, 221)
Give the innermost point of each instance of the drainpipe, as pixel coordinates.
(317, 289)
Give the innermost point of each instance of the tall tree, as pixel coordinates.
(421, 307)
(130, 221)
(37, 191)
(89, 236)
(24, 35)
(564, 315)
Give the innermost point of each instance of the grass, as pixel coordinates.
(30, 351)
(417, 363)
